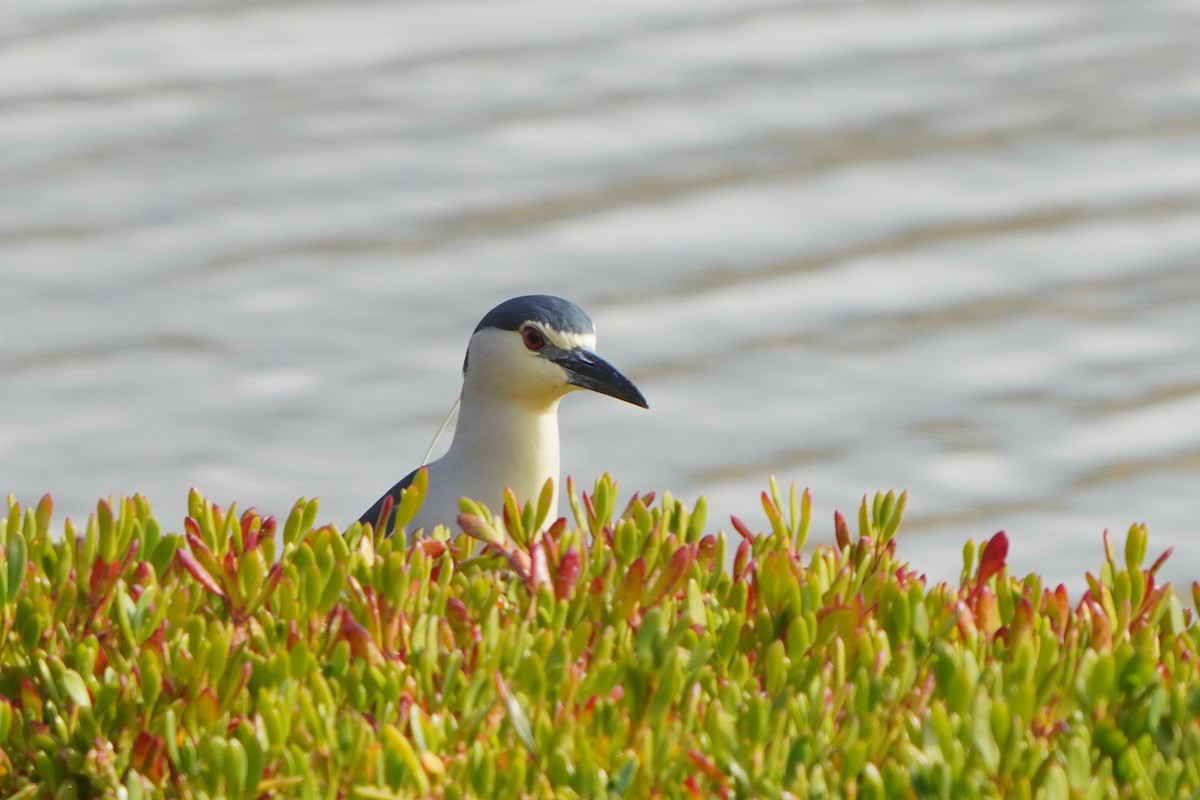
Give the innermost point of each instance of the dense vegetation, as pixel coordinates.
(626, 654)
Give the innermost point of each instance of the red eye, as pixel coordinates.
(534, 339)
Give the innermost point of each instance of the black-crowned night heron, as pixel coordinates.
(524, 356)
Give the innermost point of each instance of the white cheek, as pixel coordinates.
(547, 373)
(499, 363)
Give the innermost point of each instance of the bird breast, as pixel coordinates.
(495, 446)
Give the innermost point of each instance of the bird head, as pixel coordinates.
(537, 348)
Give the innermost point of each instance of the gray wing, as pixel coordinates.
(371, 515)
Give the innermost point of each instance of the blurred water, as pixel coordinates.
(949, 247)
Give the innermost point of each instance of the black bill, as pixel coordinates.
(587, 370)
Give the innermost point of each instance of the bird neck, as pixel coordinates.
(515, 438)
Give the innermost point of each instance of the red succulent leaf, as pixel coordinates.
(742, 528)
(250, 532)
(433, 548)
(358, 638)
(986, 608)
(510, 501)
(476, 528)
(590, 507)
(629, 505)
(1101, 628)
(102, 660)
(774, 515)
(520, 562)
(706, 766)
(1058, 608)
(630, 590)
(274, 575)
(456, 612)
(293, 637)
(385, 513)
(143, 575)
(156, 641)
(992, 560)
(45, 508)
(741, 560)
(964, 618)
(146, 751)
(539, 569)
(1161, 560)
(1153, 595)
(841, 530)
(556, 529)
(706, 551)
(673, 574)
(200, 548)
(157, 770)
(567, 575)
(1022, 619)
(98, 575)
(550, 546)
(130, 556)
(189, 562)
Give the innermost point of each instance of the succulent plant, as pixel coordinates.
(623, 653)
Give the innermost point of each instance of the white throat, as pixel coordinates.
(498, 442)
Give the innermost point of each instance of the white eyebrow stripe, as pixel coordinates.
(566, 340)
